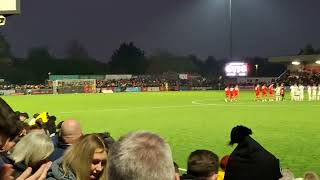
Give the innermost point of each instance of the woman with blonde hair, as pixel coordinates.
(32, 151)
(84, 160)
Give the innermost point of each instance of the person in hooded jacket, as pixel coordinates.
(249, 160)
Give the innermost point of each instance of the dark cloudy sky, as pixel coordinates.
(261, 27)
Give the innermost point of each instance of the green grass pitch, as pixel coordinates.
(193, 120)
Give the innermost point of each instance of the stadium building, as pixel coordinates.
(300, 63)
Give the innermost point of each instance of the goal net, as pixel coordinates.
(74, 86)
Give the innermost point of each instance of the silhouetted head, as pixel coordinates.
(239, 133)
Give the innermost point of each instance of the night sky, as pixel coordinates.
(201, 27)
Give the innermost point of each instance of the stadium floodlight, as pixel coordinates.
(318, 62)
(236, 69)
(296, 63)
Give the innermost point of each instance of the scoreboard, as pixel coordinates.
(236, 69)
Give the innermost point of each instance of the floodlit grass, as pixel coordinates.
(194, 120)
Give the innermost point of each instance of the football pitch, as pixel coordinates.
(193, 120)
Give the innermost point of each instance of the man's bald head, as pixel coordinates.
(70, 131)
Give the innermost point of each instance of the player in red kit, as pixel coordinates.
(271, 91)
(264, 92)
(227, 93)
(257, 91)
(232, 93)
(236, 92)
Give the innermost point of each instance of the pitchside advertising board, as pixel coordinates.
(236, 69)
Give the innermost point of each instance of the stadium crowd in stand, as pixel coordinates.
(21, 87)
(304, 77)
(155, 82)
(41, 150)
(136, 81)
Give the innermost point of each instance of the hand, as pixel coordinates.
(6, 171)
(40, 174)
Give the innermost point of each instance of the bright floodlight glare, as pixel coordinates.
(295, 63)
(318, 62)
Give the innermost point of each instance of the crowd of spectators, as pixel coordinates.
(36, 150)
(139, 81)
(303, 77)
(22, 87)
(157, 82)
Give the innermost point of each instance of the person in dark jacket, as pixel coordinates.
(249, 160)
(69, 133)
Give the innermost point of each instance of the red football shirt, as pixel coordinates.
(271, 89)
(236, 91)
(264, 90)
(227, 91)
(257, 90)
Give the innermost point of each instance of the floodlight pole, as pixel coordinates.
(230, 30)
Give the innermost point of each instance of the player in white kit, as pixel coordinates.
(296, 92)
(309, 92)
(301, 91)
(318, 98)
(292, 92)
(278, 89)
(314, 92)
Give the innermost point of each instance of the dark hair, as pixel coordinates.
(5, 110)
(38, 127)
(202, 164)
(8, 120)
(24, 115)
(107, 139)
(51, 124)
(238, 134)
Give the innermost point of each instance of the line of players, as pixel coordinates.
(268, 92)
(297, 92)
(232, 93)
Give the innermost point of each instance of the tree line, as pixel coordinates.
(126, 59)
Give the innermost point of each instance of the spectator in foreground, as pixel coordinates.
(287, 175)
(311, 176)
(202, 165)
(69, 133)
(31, 151)
(9, 130)
(249, 160)
(140, 156)
(86, 159)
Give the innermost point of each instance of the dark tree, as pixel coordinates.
(128, 59)
(75, 50)
(40, 62)
(5, 51)
(307, 50)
